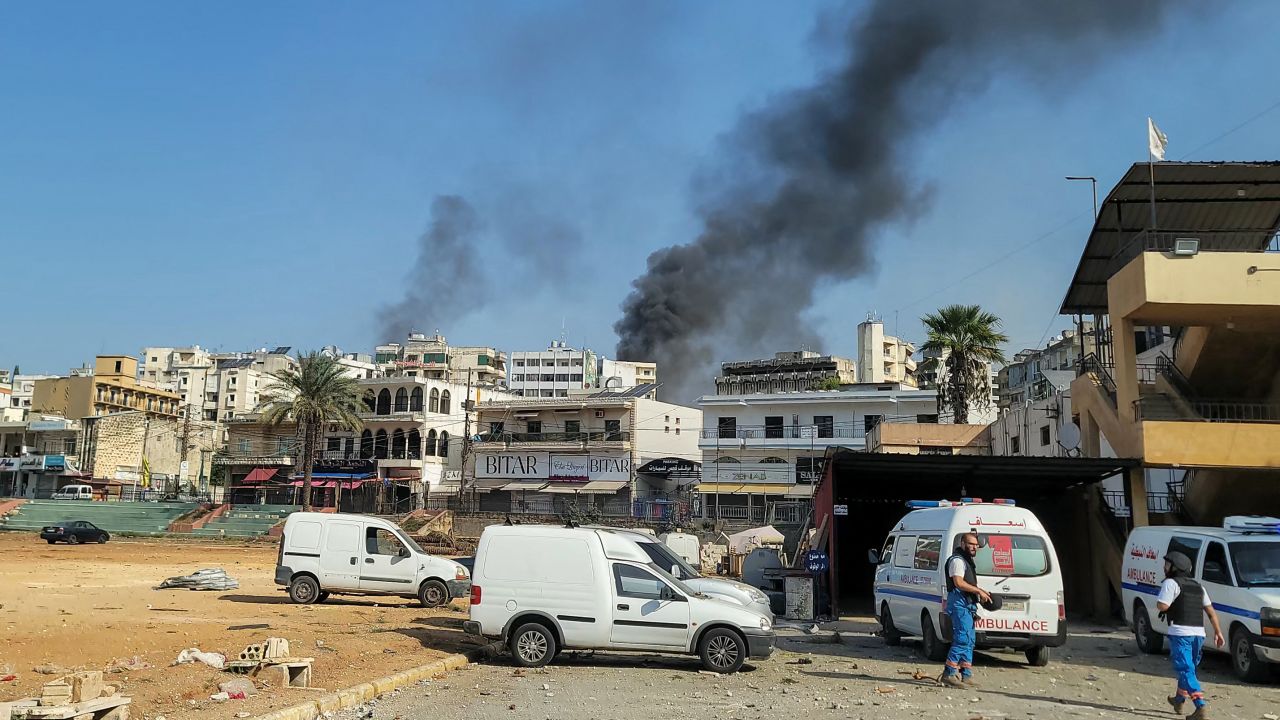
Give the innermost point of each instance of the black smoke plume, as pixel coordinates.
(809, 179)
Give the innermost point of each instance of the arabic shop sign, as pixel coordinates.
(668, 466)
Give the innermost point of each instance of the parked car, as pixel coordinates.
(467, 562)
(74, 533)
(543, 589)
(73, 492)
(1016, 562)
(1239, 566)
(338, 553)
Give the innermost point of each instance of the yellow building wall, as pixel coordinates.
(908, 438)
(1193, 444)
(1204, 289)
(68, 397)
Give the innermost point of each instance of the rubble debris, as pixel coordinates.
(121, 665)
(239, 685)
(216, 661)
(207, 579)
(49, 669)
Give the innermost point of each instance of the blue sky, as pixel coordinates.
(257, 174)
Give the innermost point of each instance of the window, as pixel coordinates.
(1216, 569)
(1187, 546)
(548, 377)
(563, 363)
(366, 444)
(534, 427)
(728, 427)
(497, 428)
(414, 445)
(677, 431)
(397, 444)
(667, 429)
(379, 541)
(546, 393)
(433, 403)
(633, 582)
(577, 362)
(402, 400)
(575, 377)
(1044, 435)
(886, 553)
(826, 425)
(444, 444)
(517, 378)
(519, 363)
(482, 359)
(118, 366)
(232, 381)
(773, 426)
(384, 402)
(869, 422)
(380, 444)
(282, 445)
(904, 555)
(562, 377)
(431, 443)
(928, 552)
(444, 402)
(1015, 445)
(573, 427)
(334, 445)
(1257, 563)
(1012, 556)
(930, 418)
(415, 400)
(243, 447)
(613, 430)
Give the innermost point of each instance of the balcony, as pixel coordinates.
(250, 457)
(556, 440)
(790, 436)
(413, 416)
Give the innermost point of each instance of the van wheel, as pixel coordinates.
(433, 593)
(1149, 641)
(304, 590)
(532, 645)
(722, 650)
(889, 631)
(1038, 656)
(930, 644)
(1244, 661)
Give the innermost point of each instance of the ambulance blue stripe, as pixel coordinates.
(909, 593)
(1228, 609)
(1142, 588)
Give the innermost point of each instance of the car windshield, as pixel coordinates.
(662, 556)
(1257, 563)
(1012, 556)
(666, 575)
(409, 543)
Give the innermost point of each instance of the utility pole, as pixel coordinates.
(466, 434)
(182, 449)
(142, 457)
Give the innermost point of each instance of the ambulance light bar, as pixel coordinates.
(921, 504)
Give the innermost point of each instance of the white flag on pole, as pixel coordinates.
(1156, 140)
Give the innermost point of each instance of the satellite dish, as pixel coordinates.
(1069, 435)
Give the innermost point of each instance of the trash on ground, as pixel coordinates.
(134, 663)
(207, 579)
(213, 660)
(78, 695)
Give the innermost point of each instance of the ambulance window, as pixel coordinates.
(904, 555)
(1187, 546)
(1216, 569)
(887, 552)
(928, 552)
(1006, 555)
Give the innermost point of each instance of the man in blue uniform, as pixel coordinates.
(963, 596)
(1184, 603)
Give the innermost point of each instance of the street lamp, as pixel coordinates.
(1093, 180)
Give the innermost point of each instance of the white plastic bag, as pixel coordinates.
(213, 660)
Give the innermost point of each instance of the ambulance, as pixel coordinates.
(1016, 561)
(1239, 566)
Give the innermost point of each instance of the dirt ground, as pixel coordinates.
(92, 606)
(1099, 674)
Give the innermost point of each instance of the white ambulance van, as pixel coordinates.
(1017, 561)
(1239, 567)
(543, 589)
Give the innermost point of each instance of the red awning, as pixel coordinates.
(259, 475)
(332, 484)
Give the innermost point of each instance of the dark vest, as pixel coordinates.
(1188, 608)
(970, 574)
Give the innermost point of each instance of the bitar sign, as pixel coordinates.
(512, 466)
(581, 468)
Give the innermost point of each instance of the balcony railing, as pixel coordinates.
(1161, 407)
(554, 437)
(789, 432)
(1252, 241)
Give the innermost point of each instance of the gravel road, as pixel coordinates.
(1098, 674)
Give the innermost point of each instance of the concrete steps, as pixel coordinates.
(245, 521)
(136, 518)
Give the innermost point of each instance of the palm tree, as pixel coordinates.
(315, 394)
(963, 342)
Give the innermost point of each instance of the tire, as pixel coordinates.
(1149, 641)
(433, 593)
(324, 595)
(1038, 656)
(102, 539)
(930, 644)
(722, 651)
(304, 590)
(73, 539)
(892, 636)
(532, 645)
(1244, 662)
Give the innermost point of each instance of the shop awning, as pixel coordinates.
(346, 485)
(801, 491)
(745, 488)
(404, 473)
(489, 485)
(560, 488)
(604, 486)
(259, 475)
(524, 486)
(335, 476)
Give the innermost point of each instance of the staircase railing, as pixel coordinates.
(1091, 365)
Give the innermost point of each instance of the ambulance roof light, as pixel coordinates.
(921, 504)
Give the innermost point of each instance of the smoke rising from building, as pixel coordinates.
(814, 174)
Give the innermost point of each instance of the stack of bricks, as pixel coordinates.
(71, 689)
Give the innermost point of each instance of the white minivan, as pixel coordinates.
(543, 589)
(73, 492)
(336, 553)
(662, 555)
(1017, 561)
(1239, 566)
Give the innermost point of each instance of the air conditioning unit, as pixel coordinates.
(599, 413)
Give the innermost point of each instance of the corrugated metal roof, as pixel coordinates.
(1190, 198)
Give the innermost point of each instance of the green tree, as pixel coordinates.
(315, 394)
(830, 383)
(964, 342)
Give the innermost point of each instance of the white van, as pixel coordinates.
(661, 554)
(685, 545)
(73, 492)
(543, 589)
(336, 553)
(1239, 567)
(1017, 562)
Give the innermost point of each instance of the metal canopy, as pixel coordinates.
(1227, 198)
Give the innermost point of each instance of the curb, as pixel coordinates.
(364, 692)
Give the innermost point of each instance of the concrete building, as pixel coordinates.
(1209, 267)
(432, 357)
(215, 386)
(981, 413)
(786, 372)
(909, 438)
(358, 366)
(38, 456)
(553, 372)
(21, 390)
(764, 448)
(620, 375)
(1033, 375)
(112, 386)
(884, 358)
(552, 456)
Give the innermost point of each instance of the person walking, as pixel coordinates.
(963, 596)
(1183, 603)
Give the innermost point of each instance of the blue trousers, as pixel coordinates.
(960, 657)
(1185, 652)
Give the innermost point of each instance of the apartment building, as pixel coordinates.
(111, 386)
(215, 386)
(432, 357)
(553, 372)
(884, 358)
(619, 375)
(789, 371)
(17, 396)
(38, 456)
(551, 455)
(1035, 374)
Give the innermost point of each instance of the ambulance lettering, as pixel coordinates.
(1011, 625)
(1144, 577)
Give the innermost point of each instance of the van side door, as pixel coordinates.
(1187, 545)
(387, 565)
(1219, 582)
(340, 556)
(647, 611)
(905, 615)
